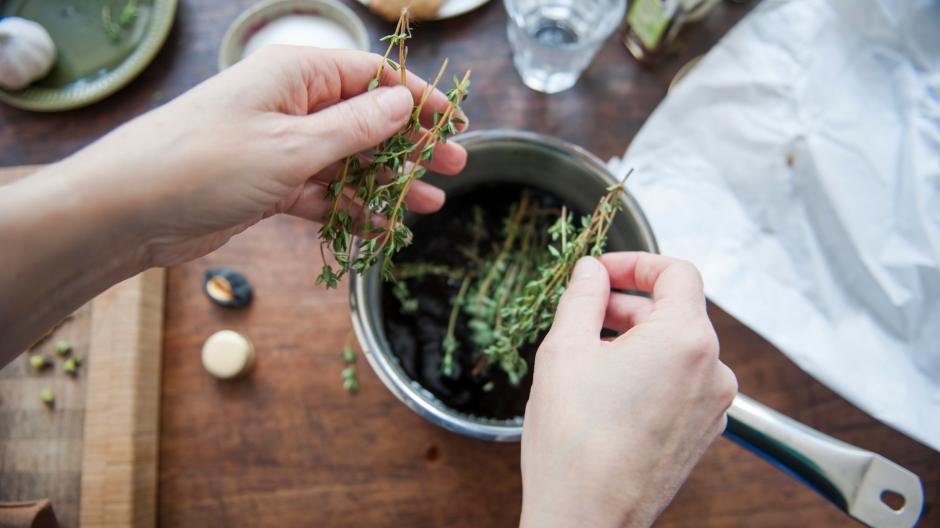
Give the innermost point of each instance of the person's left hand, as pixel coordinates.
(261, 138)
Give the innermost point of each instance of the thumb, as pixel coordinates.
(580, 313)
(356, 124)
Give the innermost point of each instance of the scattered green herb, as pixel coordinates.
(38, 362)
(63, 347)
(349, 355)
(70, 366)
(47, 397)
(350, 378)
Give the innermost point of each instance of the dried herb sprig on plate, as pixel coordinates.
(381, 184)
(114, 28)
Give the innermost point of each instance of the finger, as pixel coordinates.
(422, 198)
(664, 277)
(436, 102)
(355, 70)
(625, 311)
(313, 205)
(580, 313)
(348, 127)
(447, 157)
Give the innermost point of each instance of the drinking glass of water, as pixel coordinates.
(553, 41)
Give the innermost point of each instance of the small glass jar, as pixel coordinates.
(652, 25)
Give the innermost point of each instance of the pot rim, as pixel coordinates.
(409, 391)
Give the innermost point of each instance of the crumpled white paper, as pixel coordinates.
(798, 165)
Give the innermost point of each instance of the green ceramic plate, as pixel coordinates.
(91, 62)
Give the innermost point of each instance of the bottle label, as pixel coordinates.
(649, 18)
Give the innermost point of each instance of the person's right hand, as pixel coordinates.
(612, 428)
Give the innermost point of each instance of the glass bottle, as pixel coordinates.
(652, 25)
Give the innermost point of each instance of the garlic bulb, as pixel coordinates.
(26, 52)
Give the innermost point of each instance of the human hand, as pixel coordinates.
(612, 428)
(261, 138)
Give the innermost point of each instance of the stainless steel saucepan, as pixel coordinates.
(851, 478)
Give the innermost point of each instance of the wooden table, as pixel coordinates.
(288, 447)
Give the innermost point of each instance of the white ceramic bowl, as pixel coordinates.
(255, 17)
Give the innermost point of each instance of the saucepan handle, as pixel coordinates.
(852, 478)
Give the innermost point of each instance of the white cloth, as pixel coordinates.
(798, 165)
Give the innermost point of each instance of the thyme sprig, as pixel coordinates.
(449, 345)
(528, 314)
(382, 183)
(504, 273)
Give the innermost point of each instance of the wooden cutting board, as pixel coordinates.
(94, 453)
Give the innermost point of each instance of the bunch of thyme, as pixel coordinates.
(497, 278)
(509, 294)
(529, 313)
(381, 184)
(504, 274)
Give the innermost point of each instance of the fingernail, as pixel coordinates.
(437, 195)
(585, 268)
(396, 102)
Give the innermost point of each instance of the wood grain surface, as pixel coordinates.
(41, 448)
(122, 408)
(288, 447)
(94, 452)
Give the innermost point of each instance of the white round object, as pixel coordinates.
(227, 354)
(27, 52)
(302, 30)
(318, 23)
